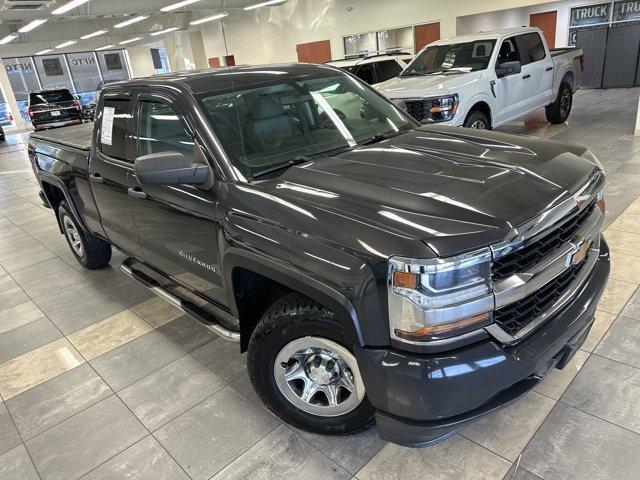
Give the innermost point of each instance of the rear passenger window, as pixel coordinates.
(388, 69)
(530, 47)
(115, 129)
(162, 130)
(366, 74)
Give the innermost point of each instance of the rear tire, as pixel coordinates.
(558, 112)
(477, 120)
(298, 346)
(91, 252)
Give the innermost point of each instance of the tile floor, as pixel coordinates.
(100, 380)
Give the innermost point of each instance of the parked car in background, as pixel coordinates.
(54, 108)
(89, 111)
(487, 79)
(373, 269)
(376, 68)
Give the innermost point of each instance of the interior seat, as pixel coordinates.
(269, 125)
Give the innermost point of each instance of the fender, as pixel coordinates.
(330, 298)
(479, 97)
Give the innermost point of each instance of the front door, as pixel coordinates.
(111, 172)
(176, 222)
(511, 90)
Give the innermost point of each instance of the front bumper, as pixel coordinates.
(423, 399)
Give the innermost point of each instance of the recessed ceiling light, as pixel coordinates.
(31, 25)
(8, 38)
(106, 47)
(181, 4)
(94, 34)
(67, 43)
(209, 19)
(68, 6)
(42, 52)
(134, 39)
(131, 21)
(167, 30)
(264, 4)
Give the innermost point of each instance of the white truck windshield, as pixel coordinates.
(455, 58)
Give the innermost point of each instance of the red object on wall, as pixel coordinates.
(214, 62)
(314, 52)
(229, 60)
(546, 22)
(425, 34)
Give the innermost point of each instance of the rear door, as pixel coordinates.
(111, 171)
(176, 222)
(537, 69)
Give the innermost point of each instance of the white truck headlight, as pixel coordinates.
(438, 299)
(443, 108)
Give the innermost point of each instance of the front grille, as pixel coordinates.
(416, 108)
(517, 315)
(526, 257)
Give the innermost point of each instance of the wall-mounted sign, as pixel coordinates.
(52, 67)
(18, 68)
(626, 10)
(112, 61)
(590, 15)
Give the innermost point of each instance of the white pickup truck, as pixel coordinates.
(487, 79)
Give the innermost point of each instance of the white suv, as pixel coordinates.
(375, 68)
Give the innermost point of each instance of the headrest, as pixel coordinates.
(481, 50)
(265, 106)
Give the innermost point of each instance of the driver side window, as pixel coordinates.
(162, 130)
(508, 52)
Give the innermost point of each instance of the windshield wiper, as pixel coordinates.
(379, 137)
(412, 74)
(298, 160)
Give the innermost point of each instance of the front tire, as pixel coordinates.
(558, 112)
(90, 251)
(302, 369)
(477, 120)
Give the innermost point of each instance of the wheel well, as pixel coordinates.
(482, 107)
(54, 196)
(254, 294)
(568, 79)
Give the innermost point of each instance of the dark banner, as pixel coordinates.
(626, 10)
(590, 14)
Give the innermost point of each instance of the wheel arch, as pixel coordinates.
(480, 105)
(568, 78)
(246, 273)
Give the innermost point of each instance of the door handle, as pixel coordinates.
(96, 178)
(548, 69)
(524, 77)
(136, 193)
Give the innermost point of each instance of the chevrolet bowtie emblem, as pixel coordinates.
(582, 252)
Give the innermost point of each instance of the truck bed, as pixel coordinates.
(559, 51)
(75, 136)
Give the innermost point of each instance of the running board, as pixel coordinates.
(187, 307)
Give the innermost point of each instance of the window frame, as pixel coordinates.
(119, 96)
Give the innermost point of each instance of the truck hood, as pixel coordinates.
(451, 188)
(426, 86)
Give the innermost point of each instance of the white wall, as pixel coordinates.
(270, 34)
(141, 61)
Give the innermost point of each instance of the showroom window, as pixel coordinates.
(162, 130)
(116, 128)
(53, 72)
(530, 47)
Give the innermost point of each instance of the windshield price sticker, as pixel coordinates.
(107, 125)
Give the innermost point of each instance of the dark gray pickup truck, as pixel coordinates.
(376, 271)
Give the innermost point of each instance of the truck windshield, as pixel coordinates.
(266, 128)
(455, 58)
(51, 96)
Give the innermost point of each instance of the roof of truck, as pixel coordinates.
(491, 34)
(218, 79)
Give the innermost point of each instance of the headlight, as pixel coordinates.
(441, 298)
(441, 109)
(589, 155)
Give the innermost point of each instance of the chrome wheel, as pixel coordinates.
(319, 377)
(71, 231)
(478, 125)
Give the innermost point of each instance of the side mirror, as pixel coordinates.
(169, 168)
(508, 68)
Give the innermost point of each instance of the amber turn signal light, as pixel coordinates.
(405, 280)
(454, 327)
